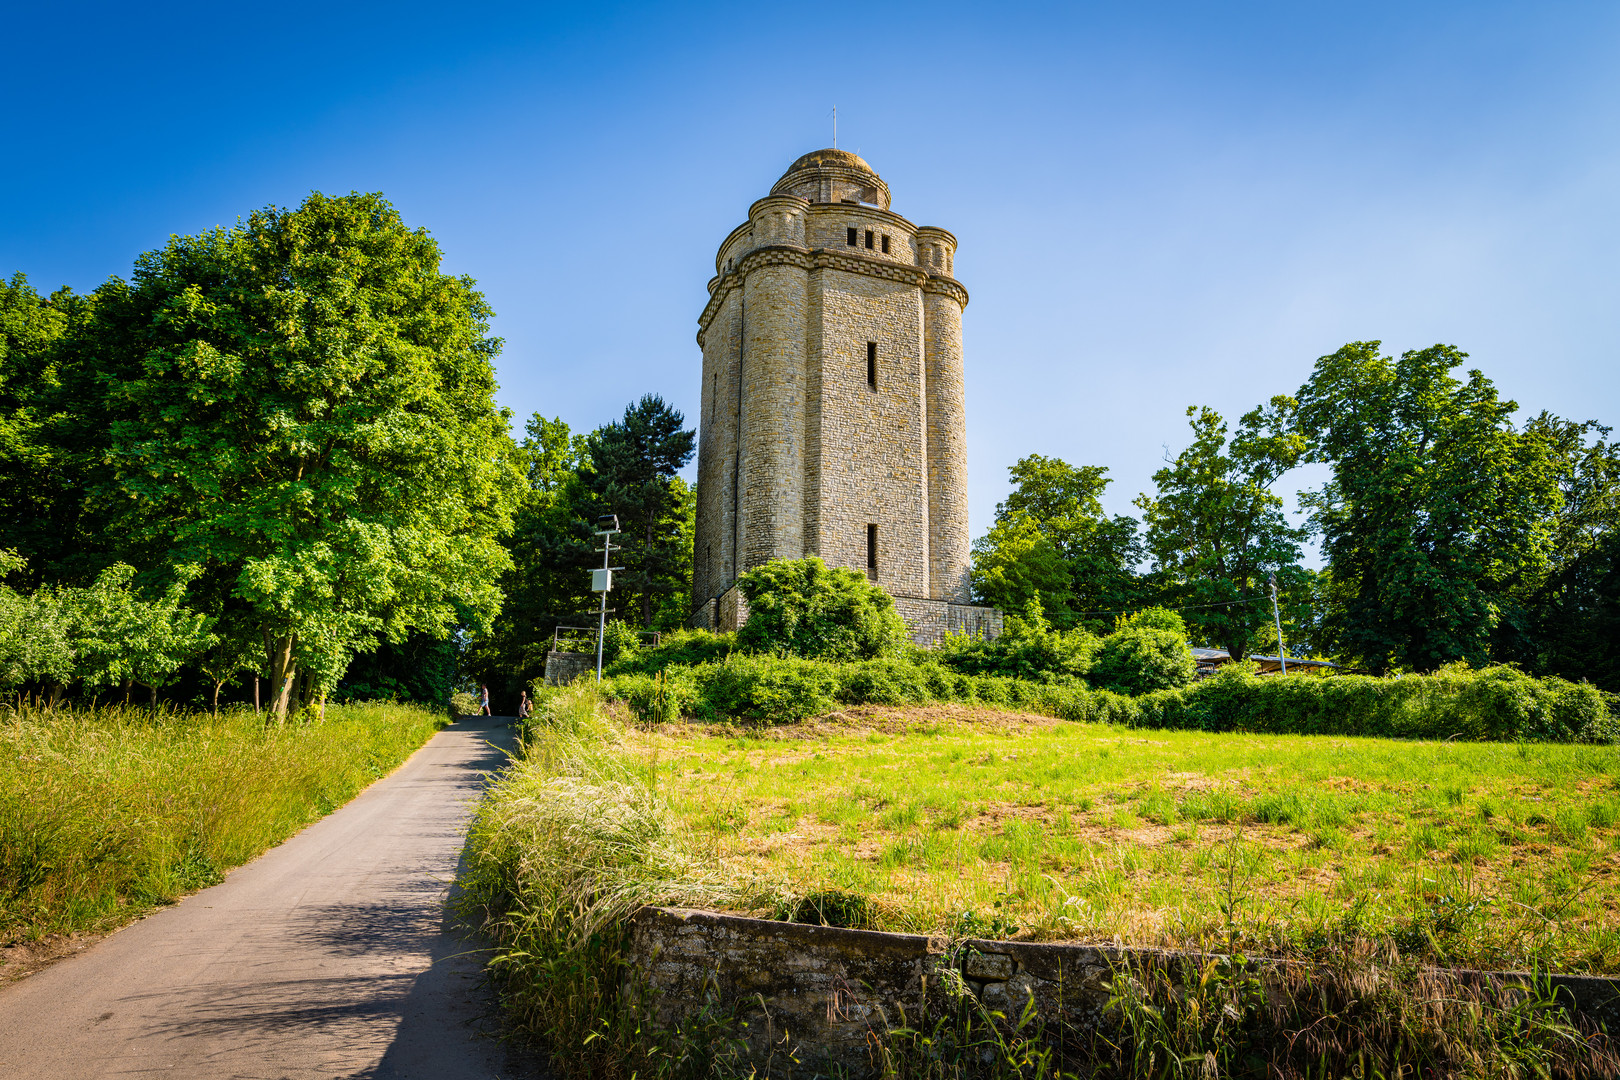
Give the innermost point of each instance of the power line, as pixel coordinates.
(1188, 607)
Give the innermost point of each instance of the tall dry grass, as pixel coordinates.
(573, 838)
(106, 813)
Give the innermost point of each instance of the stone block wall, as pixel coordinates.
(825, 994)
(563, 668)
(930, 620)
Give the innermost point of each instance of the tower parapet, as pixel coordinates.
(834, 409)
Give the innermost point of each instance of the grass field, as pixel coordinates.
(106, 814)
(974, 821)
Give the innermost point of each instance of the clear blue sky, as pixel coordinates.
(1158, 204)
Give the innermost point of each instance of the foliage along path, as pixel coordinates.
(329, 956)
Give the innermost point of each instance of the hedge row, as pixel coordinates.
(1495, 703)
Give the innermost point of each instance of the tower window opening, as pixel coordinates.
(849, 237)
(885, 245)
(871, 364)
(871, 552)
(868, 239)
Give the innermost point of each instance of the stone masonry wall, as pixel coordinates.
(872, 465)
(822, 994)
(949, 545)
(772, 495)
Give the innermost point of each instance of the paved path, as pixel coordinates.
(330, 956)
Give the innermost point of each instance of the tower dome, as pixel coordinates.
(833, 176)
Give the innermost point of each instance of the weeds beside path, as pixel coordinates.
(107, 814)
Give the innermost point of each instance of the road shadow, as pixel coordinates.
(451, 1026)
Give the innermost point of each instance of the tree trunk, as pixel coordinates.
(153, 688)
(283, 670)
(217, 685)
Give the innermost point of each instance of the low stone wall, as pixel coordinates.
(930, 620)
(822, 993)
(563, 668)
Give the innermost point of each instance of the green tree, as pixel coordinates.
(1570, 624)
(105, 634)
(1015, 564)
(551, 551)
(52, 435)
(632, 467)
(1051, 536)
(1438, 511)
(302, 406)
(803, 607)
(1217, 530)
(1101, 553)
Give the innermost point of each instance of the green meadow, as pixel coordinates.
(108, 813)
(964, 820)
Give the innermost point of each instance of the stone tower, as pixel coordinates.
(833, 418)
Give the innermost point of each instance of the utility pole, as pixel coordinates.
(1277, 616)
(607, 527)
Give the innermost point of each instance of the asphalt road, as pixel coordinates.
(329, 956)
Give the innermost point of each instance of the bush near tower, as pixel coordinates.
(803, 607)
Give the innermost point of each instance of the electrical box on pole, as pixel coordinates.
(607, 527)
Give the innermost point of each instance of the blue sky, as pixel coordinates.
(1158, 204)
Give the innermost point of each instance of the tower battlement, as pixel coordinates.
(834, 412)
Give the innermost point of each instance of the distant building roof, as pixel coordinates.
(1210, 659)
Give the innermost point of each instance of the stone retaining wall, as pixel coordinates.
(824, 992)
(563, 668)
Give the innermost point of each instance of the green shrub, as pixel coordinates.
(775, 690)
(885, 682)
(657, 698)
(1496, 703)
(620, 642)
(1028, 648)
(1141, 659)
(1153, 618)
(802, 607)
(686, 648)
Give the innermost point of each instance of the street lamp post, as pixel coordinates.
(1277, 616)
(607, 527)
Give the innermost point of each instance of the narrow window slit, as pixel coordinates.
(871, 364)
(871, 552)
(885, 245)
(868, 239)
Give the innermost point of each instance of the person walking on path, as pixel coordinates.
(523, 705)
(483, 691)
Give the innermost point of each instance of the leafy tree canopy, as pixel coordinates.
(302, 406)
(1216, 529)
(1438, 511)
(632, 467)
(1052, 537)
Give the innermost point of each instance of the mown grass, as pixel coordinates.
(969, 821)
(108, 813)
